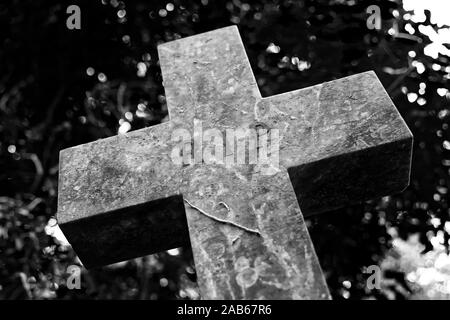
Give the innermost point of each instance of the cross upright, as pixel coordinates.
(339, 142)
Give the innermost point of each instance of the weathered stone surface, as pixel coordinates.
(341, 141)
(233, 263)
(118, 189)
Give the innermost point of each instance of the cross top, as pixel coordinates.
(339, 142)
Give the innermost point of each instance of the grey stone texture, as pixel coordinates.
(342, 141)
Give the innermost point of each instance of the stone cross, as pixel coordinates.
(339, 142)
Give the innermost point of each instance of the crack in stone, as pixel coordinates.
(222, 220)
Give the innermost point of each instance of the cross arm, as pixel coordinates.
(119, 197)
(342, 141)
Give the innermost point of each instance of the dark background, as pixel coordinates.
(48, 102)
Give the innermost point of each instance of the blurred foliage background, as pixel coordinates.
(60, 88)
